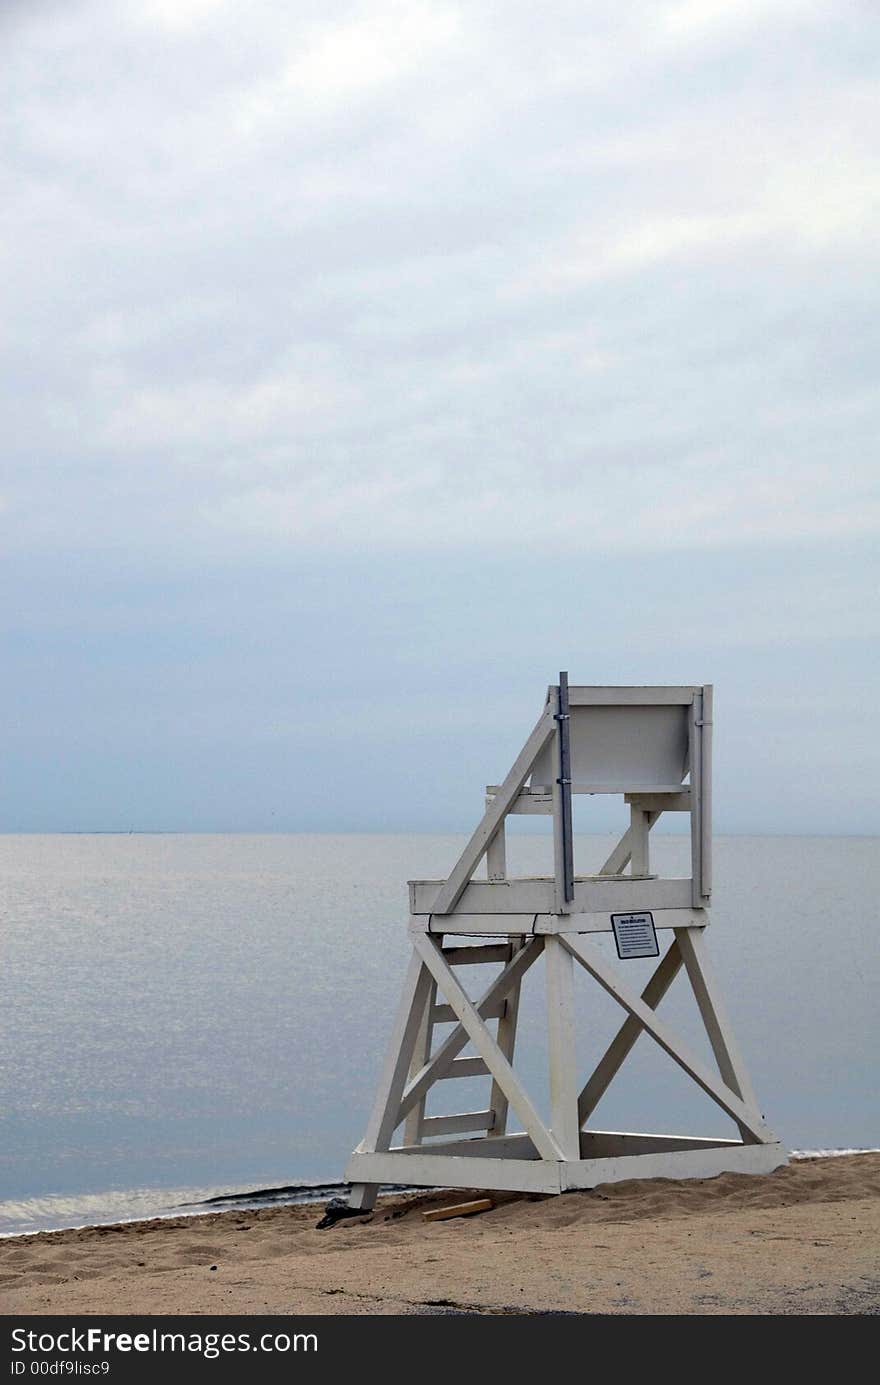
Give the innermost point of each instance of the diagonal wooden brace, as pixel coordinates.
(450, 893)
(442, 1060)
(624, 1040)
(384, 1119)
(619, 859)
(692, 946)
(593, 962)
(432, 956)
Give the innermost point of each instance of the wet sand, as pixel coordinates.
(805, 1239)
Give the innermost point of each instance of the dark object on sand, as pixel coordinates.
(336, 1210)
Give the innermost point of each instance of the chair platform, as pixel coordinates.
(511, 1163)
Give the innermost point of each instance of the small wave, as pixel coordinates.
(267, 1197)
(830, 1153)
(69, 1212)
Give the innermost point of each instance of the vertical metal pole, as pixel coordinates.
(695, 756)
(706, 805)
(563, 719)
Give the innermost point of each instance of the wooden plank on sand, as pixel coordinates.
(461, 1209)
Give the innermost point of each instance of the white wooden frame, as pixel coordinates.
(529, 919)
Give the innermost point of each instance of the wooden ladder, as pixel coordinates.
(492, 1120)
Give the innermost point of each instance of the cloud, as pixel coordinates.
(434, 276)
(697, 20)
(600, 511)
(342, 63)
(177, 16)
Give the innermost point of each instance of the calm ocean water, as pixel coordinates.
(189, 1016)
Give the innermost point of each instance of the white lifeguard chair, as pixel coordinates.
(653, 746)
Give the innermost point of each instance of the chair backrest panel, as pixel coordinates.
(623, 747)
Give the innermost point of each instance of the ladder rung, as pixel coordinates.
(472, 956)
(466, 1067)
(444, 1014)
(453, 1125)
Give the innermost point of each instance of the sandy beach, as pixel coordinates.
(802, 1240)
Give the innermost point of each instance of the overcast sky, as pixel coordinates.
(364, 364)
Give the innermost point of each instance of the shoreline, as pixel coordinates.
(240, 1200)
(253, 1199)
(801, 1240)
